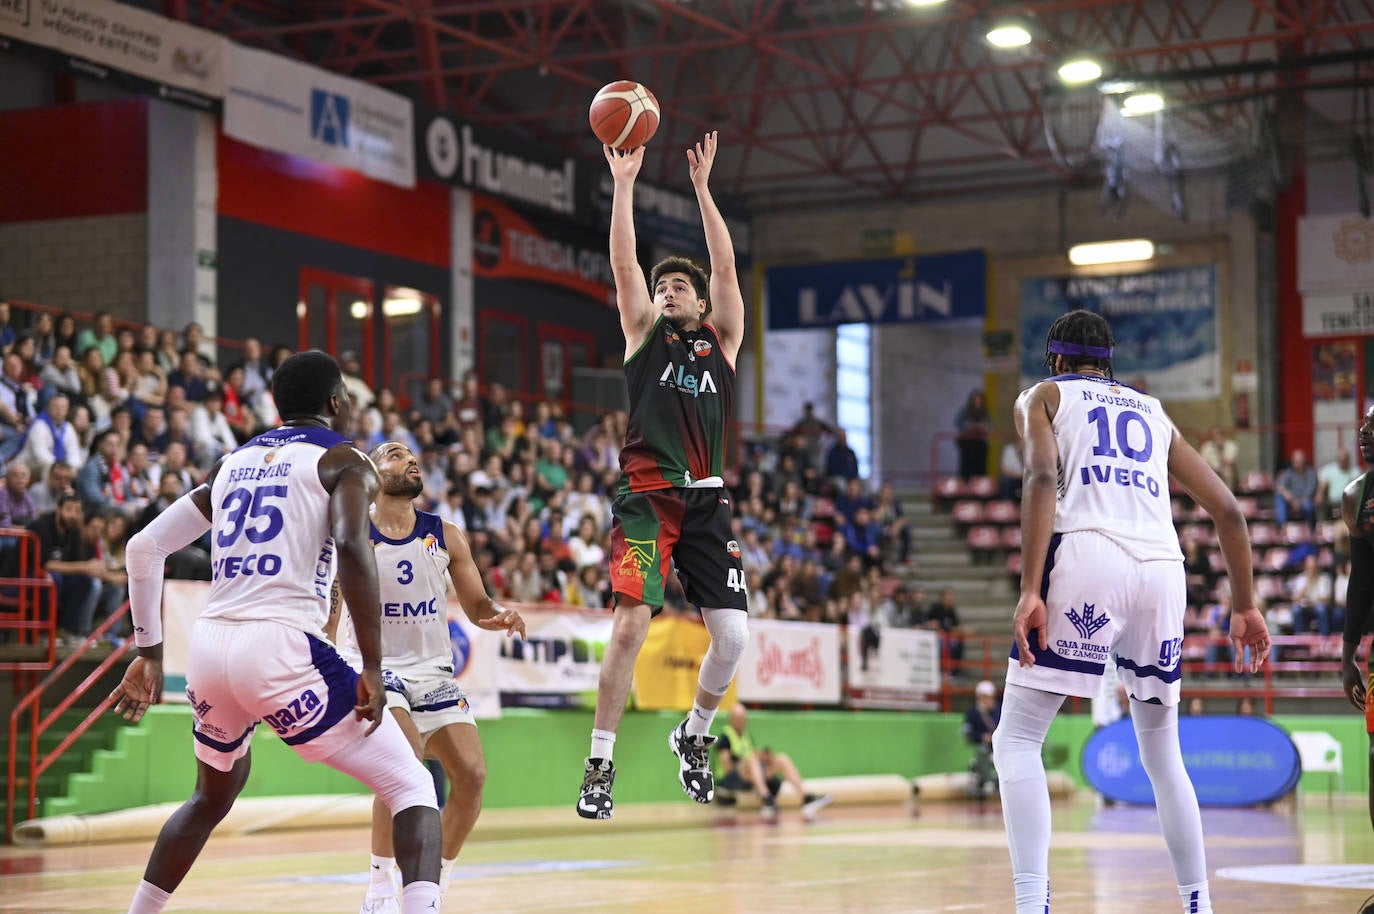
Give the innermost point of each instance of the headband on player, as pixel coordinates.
(1060, 347)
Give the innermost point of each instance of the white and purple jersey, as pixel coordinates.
(271, 549)
(1114, 466)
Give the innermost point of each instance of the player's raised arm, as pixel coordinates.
(184, 522)
(1034, 415)
(1201, 482)
(467, 581)
(727, 302)
(631, 289)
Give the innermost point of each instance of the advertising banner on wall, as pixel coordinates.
(559, 664)
(179, 62)
(1335, 253)
(291, 107)
(791, 663)
(669, 664)
(475, 651)
(1344, 314)
(509, 245)
(1164, 321)
(891, 290)
(893, 668)
(671, 218)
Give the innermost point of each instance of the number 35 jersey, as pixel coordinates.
(271, 550)
(1114, 466)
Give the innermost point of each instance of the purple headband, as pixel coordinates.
(1059, 347)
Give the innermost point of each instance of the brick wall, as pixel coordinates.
(86, 264)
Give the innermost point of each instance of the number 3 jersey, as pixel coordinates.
(413, 578)
(271, 549)
(1114, 466)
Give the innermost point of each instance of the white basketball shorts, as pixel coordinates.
(432, 698)
(241, 672)
(1100, 599)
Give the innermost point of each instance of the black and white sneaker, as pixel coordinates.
(694, 753)
(595, 802)
(814, 803)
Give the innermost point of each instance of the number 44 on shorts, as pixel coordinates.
(735, 581)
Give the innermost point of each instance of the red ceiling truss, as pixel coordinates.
(855, 99)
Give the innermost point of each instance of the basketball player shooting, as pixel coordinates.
(1104, 573)
(672, 505)
(417, 553)
(281, 508)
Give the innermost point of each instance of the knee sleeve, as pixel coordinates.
(385, 762)
(729, 630)
(1016, 743)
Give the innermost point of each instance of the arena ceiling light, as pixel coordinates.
(1009, 35)
(1079, 70)
(1127, 251)
(919, 3)
(1142, 103)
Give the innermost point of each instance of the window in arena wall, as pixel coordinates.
(853, 389)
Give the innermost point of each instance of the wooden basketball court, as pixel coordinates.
(667, 859)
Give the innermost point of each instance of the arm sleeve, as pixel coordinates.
(176, 528)
(1361, 589)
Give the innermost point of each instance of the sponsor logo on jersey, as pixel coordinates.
(270, 456)
(639, 558)
(431, 544)
(701, 348)
(677, 378)
(1088, 623)
(732, 547)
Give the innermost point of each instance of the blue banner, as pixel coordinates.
(893, 290)
(1232, 761)
(1165, 324)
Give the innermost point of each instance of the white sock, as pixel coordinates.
(603, 744)
(149, 899)
(1026, 717)
(382, 870)
(1156, 732)
(445, 873)
(699, 721)
(420, 898)
(1032, 894)
(1196, 898)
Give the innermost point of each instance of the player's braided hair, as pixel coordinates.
(1084, 338)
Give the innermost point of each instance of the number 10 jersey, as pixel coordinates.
(1114, 466)
(271, 548)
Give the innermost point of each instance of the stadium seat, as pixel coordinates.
(1275, 560)
(982, 487)
(1270, 588)
(967, 513)
(948, 490)
(1295, 532)
(1262, 534)
(1011, 537)
(1003, 511)
(1256, 482)
(1014, 564)
(984, 541)
(1216, 562)
(1249, 506)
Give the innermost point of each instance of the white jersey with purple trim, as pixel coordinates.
(271, 549)
(1114, 466)
(412, 575)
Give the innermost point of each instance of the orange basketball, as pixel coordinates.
(624, 114)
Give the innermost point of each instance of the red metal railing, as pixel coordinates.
(23, 600)
(31, 705)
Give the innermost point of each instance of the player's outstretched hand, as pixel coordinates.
(1030, 616)
(625, 164)
(700, 158)
(507, 620)
(1352, 680)
(139, 690)
(371, 699)
(1249, 631)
